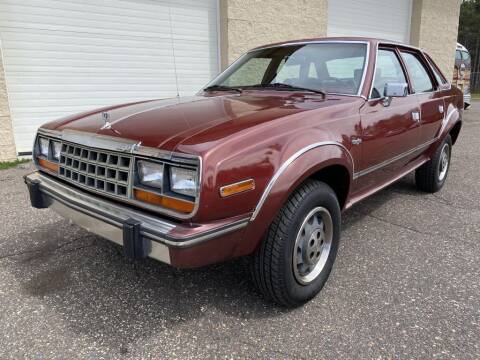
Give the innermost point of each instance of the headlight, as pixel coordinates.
(43, 145)
(183, 181)
(56, 148)
(150, 173)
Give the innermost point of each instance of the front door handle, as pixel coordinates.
(416, 116)
(356, 141)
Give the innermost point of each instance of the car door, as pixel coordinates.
(429, 97)
(389, 132)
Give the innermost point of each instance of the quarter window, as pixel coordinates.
(438, 75)
(419, 74)
(388, 69)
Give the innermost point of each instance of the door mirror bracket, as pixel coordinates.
(394, 90)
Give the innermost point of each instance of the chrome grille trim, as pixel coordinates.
(96, 169)
(120, 145)
(127, 148)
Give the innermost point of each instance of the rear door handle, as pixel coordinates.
(416, 116)
(356, 141)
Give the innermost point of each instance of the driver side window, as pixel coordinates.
(388, 69)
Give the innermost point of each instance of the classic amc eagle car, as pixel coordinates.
(260, 163)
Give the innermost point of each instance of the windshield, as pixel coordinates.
(328, 67)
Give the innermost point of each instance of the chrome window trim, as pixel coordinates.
(374, 74)
(131, 147)
(415, 93)
(340, 94)
(435, 70)
(367, 63)
(287, 163)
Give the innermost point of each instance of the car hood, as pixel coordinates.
(201, 120)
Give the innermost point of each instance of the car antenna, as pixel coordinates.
(173, 49)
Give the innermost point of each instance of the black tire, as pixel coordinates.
(428, 177)
(272, 266)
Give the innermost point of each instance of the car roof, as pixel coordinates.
(372, 41)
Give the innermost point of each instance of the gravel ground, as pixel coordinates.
(406, 284)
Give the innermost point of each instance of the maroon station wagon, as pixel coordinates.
(260, 163)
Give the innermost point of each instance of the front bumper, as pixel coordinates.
(140, 233)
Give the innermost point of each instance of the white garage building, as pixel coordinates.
(66, 56)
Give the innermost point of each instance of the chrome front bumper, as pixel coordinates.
(140, 233)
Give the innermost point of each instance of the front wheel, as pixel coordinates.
(296, 257)
(431, 176)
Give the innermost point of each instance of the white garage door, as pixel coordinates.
(385, 19)
(67, 56)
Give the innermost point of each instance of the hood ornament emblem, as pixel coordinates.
(107, 125)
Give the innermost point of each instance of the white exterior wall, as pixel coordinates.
(67, 57)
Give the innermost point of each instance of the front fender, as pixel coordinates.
(288, 177)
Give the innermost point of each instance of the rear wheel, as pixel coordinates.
(431, 176)
(296, 257)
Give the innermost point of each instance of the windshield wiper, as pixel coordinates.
(281, 86)
(222, 88)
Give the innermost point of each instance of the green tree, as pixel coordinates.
(469, 35)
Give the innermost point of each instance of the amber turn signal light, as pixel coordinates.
(237, 188)
(48, 165)
(163, 201)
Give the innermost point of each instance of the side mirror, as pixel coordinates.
(394, 90)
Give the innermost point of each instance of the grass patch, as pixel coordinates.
(10, 164)
(476, 96)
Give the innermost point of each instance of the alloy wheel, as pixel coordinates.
(312, 245)
(444, 162)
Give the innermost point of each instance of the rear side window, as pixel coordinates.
(418, 73)
(388, 69)
(438, 75)
(458, 55)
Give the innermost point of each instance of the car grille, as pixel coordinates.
(96, 169)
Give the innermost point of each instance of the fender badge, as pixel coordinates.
(107, 124)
